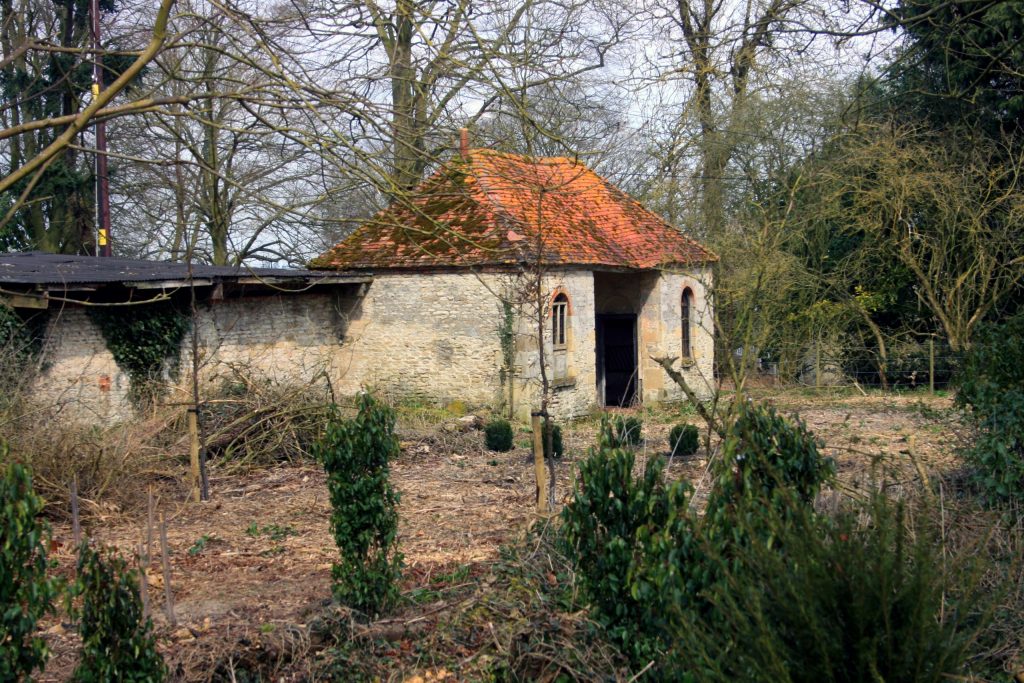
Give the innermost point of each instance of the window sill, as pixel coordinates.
(563, 383)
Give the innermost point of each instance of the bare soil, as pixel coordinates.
(251, 567)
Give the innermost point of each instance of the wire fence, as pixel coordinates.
(907, 366)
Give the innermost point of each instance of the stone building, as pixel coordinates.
(266, 323)
(495, 251)
(445, 297)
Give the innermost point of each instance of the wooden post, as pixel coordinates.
(817, 364)
(168, 594)
(143, 580)
(150, 522)
(539, 466)
(931, 364)
(76, 528)
(193, 437)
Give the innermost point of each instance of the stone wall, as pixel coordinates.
(661, 335)
(429, 336)
(279, 338)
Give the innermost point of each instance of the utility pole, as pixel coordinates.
(102, 179)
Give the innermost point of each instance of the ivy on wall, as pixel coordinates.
(21, 345)
(143, 339)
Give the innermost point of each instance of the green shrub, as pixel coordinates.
(364, 518)
(117, 642)
(683, 439)
(763, 453)
(557, 445)
(629, 539)
(835, 599)
(646, 563)
(25, 591)
(498, 435)
(991, 391)
(628, 430)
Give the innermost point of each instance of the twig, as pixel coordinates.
(76, 529)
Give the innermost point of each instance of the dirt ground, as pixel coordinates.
(251, 567)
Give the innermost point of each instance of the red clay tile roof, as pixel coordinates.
(488, 208)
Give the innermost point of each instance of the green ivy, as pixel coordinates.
(143, 338)
(26, 593)
(991, 392)
(364, 518)
(117, 642)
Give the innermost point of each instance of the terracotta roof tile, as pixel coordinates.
(490, 209)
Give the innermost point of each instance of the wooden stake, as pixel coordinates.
(150, 523)
(193, 436)
(143, 581)
(168, 595)
(76, 528)
(817, 364)
(539, 466)
(931, 365)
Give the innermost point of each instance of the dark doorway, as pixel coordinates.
(616, 359)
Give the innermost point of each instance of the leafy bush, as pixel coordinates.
(760, 586)
(557, 445)
(364, 518)
(645, 561)
(763, 453)
(628, 430)
(615, 529)
(117, 642)
(25, 591)
(683, 439)
(498, 435)
(991, 390)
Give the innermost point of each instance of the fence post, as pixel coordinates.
(817, 364)
(76, 528)
(193, 434)
(931, 364)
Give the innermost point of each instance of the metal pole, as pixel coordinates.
(931, 364)
(102, 178)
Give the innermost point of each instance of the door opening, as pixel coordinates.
(616, 359)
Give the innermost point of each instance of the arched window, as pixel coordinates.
(559, 310)
(687, 322)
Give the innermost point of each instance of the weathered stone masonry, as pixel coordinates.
(280, 338)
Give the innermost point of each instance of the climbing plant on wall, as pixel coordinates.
(144, 339)
(507, 339)
(21, 345)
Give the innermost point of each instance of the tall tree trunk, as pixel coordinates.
(405, 135)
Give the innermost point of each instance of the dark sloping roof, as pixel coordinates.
(489, 208)
(40, 268)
